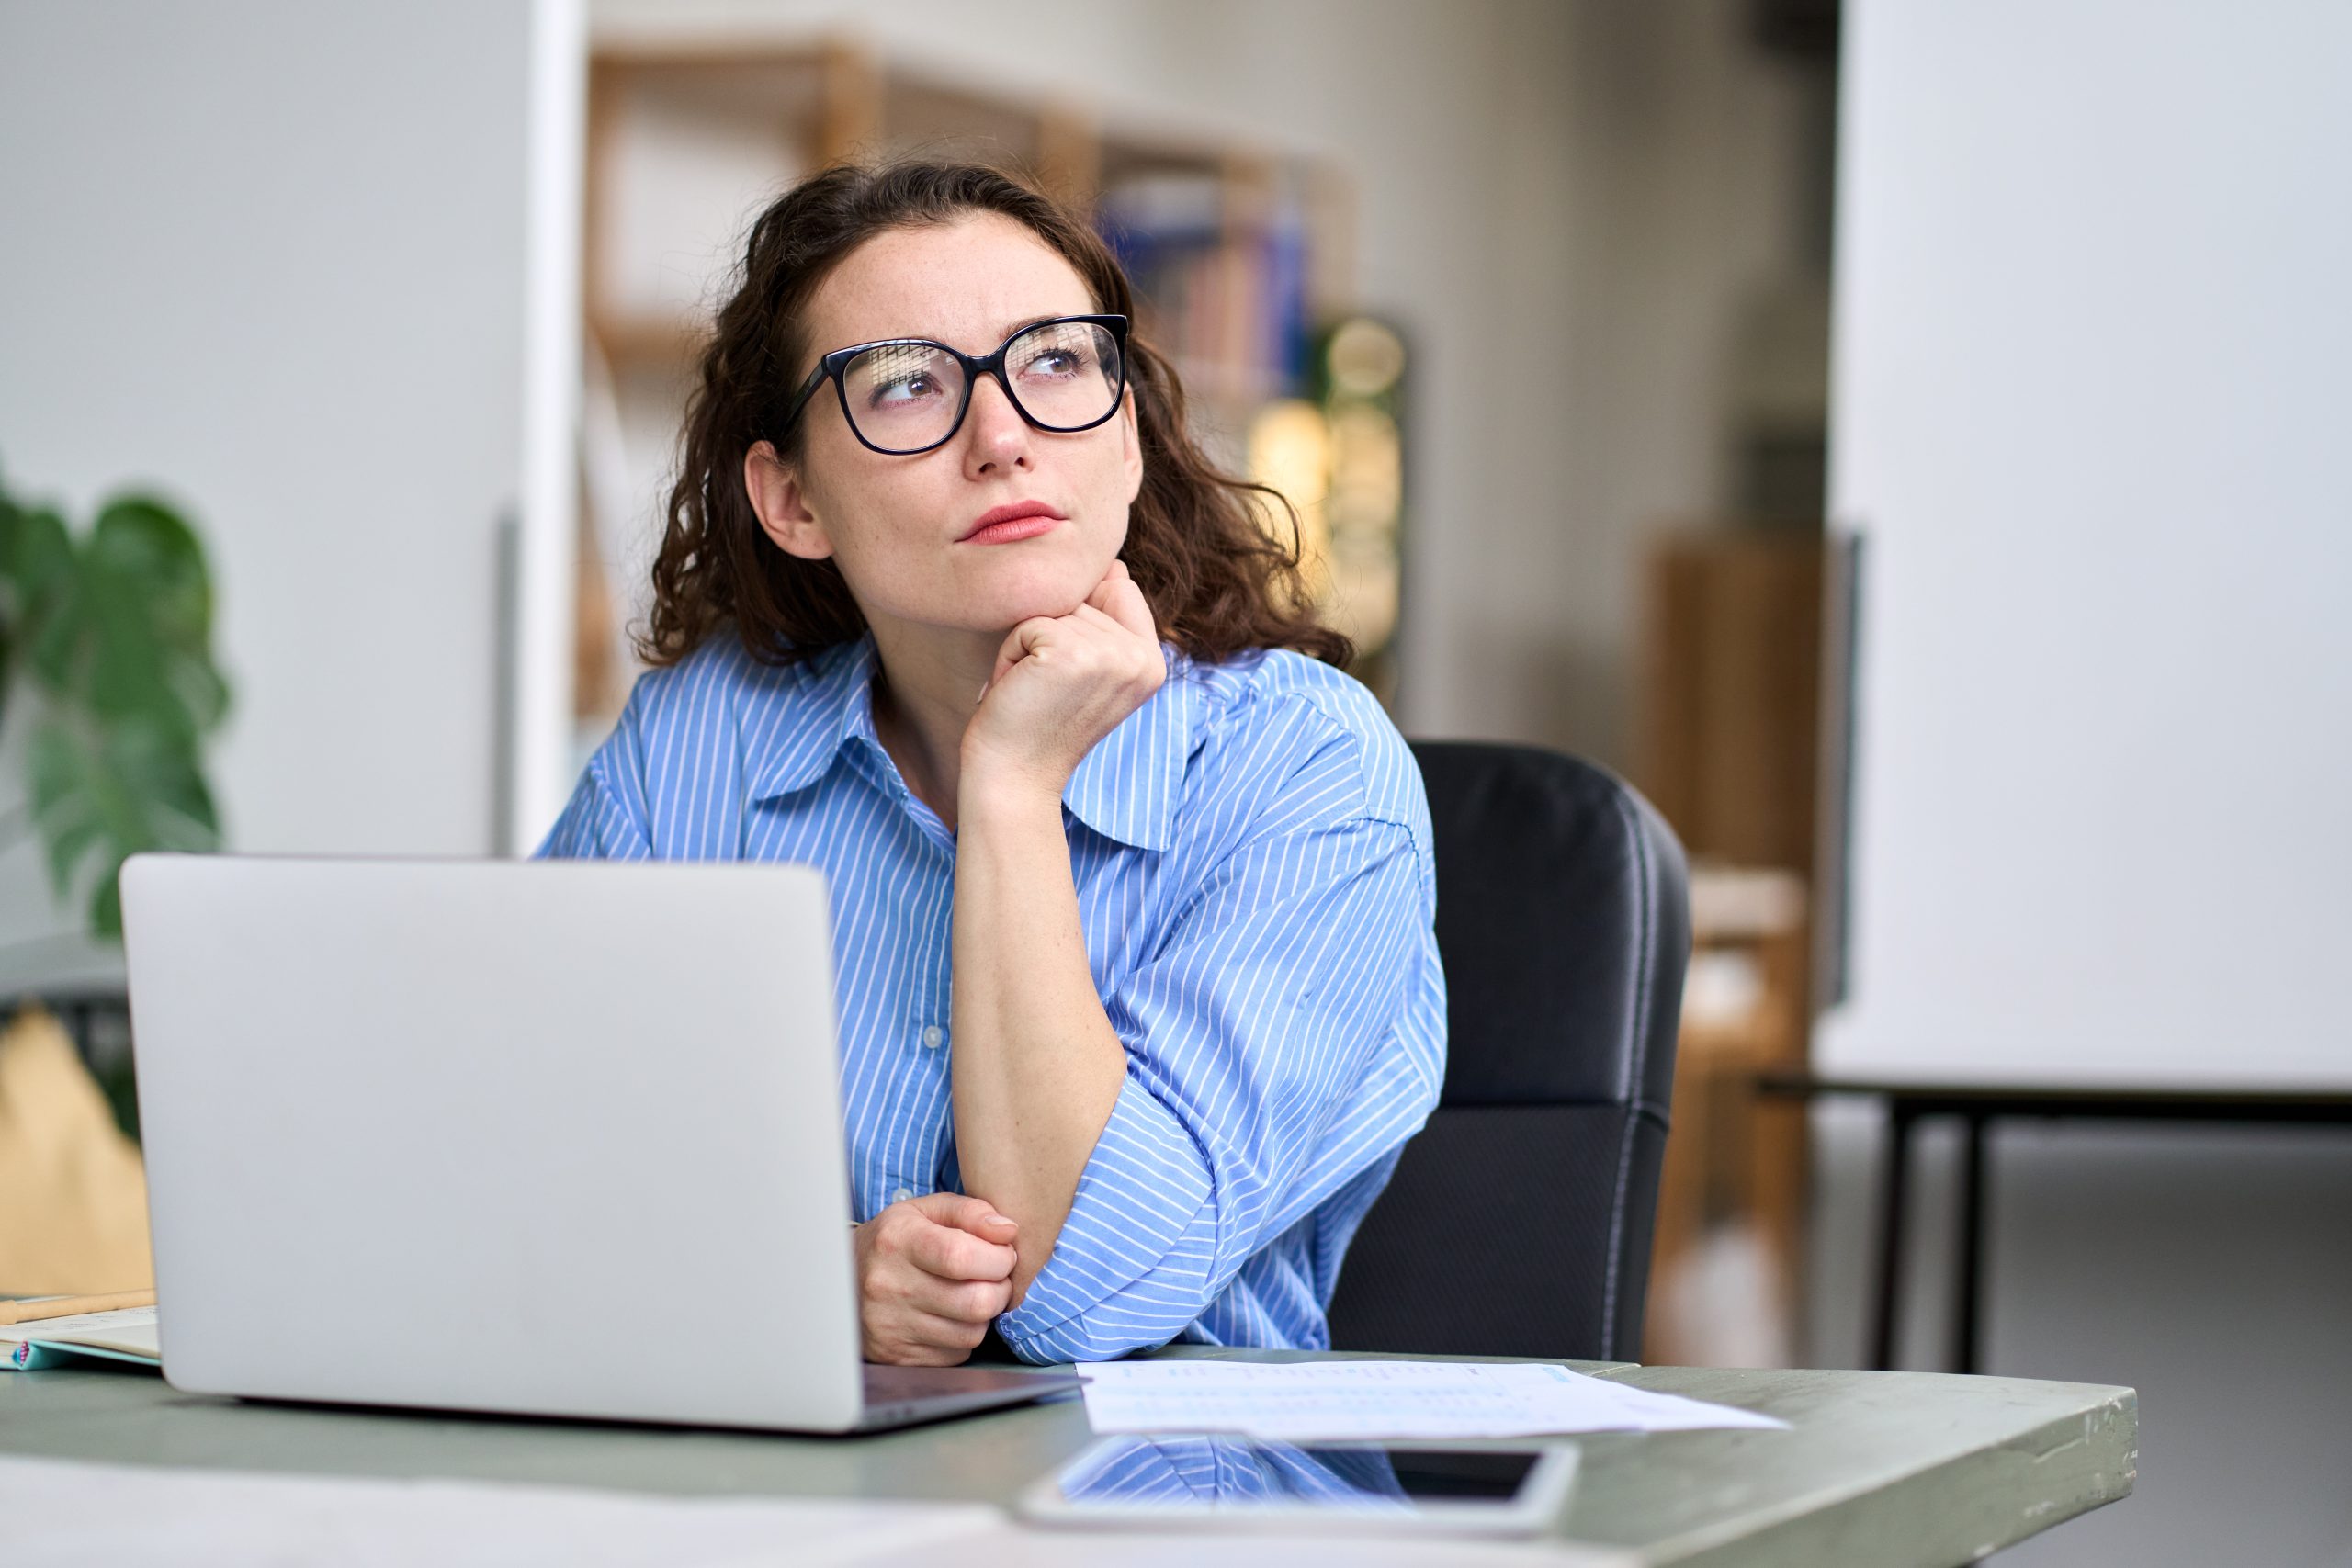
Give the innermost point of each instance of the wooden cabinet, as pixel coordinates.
(1730, 737)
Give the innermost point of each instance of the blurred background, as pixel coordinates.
(1906, 438)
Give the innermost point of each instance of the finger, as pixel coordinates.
(905, 1289)
(966, 1213)
(1106, 586)
(929, 1336)
(1093, 614)
(912, 1230)
(1125, 639)
(946, 1253)
(962, 1301)
(1113, 589)
(1020, 643)
(1127, 604)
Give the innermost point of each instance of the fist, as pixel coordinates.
(932, 1273)
(1061, 683)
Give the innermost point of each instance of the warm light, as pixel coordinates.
(1290, 451)
(1366, 357)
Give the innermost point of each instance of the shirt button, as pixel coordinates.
(900, 1196)
(932, 1036)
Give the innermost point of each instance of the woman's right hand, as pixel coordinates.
(932, 1273)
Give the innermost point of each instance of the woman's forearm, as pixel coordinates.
(1037, 1066)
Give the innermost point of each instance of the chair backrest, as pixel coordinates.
(1517, 1221)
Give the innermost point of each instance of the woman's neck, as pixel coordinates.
(927, 683)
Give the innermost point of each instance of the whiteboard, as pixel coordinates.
(2093, 342)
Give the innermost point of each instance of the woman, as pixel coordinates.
(1132, 897)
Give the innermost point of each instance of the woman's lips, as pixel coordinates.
(1002, 525)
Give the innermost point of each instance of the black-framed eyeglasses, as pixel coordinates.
(906, 395)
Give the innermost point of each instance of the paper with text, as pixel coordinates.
(1324, 1401)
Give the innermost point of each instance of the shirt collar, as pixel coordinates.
(834, 703)
(1126, 788)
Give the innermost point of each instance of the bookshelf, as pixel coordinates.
(1240, 253)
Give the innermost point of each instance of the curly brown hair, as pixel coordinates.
(1218, 581)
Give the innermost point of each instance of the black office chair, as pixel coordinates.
(1518, 1222)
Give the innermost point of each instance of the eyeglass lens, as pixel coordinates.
(904, 397)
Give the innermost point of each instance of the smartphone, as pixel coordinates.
(1216, 1481)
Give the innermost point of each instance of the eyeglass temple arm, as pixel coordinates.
(808, 389)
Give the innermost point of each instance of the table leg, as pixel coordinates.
(1892, 1182)
(75, 1016)
(1968, 1272)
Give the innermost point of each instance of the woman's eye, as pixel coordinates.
(905, 388)
(1056, 363)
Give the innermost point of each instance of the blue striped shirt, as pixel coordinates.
(1251, 851)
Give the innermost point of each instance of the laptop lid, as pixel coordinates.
(550, 1137)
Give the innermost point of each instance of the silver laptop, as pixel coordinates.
(554, 1138)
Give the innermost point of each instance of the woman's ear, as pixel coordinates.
(774, 486)
(1131, 445)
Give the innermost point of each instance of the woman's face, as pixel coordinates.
(896, 525)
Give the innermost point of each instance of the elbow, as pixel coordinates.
(1089, 1336)
(1140, 1313)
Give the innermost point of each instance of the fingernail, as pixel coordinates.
(1001, 1220)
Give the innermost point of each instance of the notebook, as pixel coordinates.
(128, 1335)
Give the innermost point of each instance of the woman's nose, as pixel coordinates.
(997, 436)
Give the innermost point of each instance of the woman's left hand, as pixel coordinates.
(1061, 683)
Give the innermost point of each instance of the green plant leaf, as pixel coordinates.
(115, 791)
(48, 597)
(116, 632)
(11, 524)
(148, 608)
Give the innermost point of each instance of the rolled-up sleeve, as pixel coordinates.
(1248, 1032)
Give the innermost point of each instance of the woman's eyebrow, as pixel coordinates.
(1030, 322)
(1004, 331)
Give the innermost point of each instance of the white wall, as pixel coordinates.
(269, 256)
(2091, 410)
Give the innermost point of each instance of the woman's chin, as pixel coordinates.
(1009, 604)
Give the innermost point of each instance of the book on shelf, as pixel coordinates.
(1225, 299)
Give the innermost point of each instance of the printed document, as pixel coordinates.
(1330, 1400)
